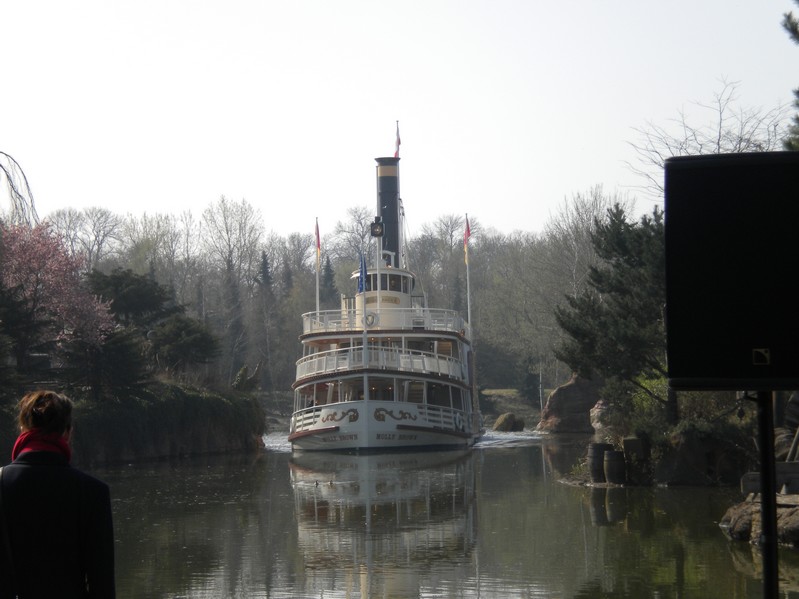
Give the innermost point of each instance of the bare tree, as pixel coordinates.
(186, 271)
(152, 244)
(730, 129)
(101, 230)
(233, 234)
(91, 233)
(570, 250)
(22, 208)
(351, 237)
(69, 223)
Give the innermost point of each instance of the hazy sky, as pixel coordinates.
(506, 107)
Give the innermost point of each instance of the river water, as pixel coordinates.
(493, 522)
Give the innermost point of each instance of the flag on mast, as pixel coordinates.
(466, 234)
(396, 147)
(362, 276)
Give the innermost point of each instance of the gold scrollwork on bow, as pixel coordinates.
(381, 413)
(335, 417)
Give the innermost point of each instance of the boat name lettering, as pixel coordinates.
(384, 299)
(337, 438)
(385, 436)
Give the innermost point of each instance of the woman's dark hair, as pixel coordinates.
(45, 410)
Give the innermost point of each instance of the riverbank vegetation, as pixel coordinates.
(159, 421)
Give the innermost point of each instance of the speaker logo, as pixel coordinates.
(761, 356)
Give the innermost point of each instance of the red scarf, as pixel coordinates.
(38, 440)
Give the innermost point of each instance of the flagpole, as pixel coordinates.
(466, 234)
(318, 257)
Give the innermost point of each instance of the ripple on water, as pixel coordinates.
(502, 439)
(279, 442)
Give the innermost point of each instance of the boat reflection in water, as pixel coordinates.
(370, 524)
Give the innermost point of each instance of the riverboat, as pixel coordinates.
(385, 371)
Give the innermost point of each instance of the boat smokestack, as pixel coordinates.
(388, 207)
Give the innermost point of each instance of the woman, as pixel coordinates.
(56, 519)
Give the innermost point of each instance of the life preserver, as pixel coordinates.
(458, 421)
(370, 319)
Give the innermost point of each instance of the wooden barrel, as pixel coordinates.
(615, 468)
(596, 461)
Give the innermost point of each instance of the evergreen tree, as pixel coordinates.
(181, 341)
(135, 300)
(791, 24)
(264, 272)
(327, 287)
(288, 278)
(615, 328)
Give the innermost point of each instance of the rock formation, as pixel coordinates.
(508, 423)
(568, 407)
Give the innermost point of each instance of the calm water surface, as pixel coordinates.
(492, 522)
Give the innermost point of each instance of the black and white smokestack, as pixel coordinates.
(388, 207)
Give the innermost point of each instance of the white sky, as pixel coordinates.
(506, 107)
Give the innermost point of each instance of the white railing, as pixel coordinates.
(337, 360)
(305, 419)
(337, 321)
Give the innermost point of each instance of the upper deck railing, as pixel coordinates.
(344, 321)
(346, 359)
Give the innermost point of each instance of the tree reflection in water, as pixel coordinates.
(494, 522)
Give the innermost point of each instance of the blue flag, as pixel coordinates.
(362, 277)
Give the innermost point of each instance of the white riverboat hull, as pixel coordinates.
(365, 425)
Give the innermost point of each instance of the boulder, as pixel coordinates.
(568, 408)
(508, 423)
(742, 521)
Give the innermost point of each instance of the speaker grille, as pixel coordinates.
(732, 270)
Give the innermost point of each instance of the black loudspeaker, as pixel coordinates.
(732, 271)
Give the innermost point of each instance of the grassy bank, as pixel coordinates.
(162, 421)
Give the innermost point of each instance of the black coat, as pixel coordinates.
(60, 529)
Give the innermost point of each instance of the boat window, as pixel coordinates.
(444, 348)
(351, 391)
(418, 345)
(396, 283)
(414, 391)
(304, 398)
(384, 282)
(438, 395)
(457, 398)
(381, 390)
(333, 393)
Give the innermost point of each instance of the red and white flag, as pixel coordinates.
(318, 246)
(396, 147)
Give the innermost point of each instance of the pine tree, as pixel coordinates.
(791, 24)
(328, 290)
(615, 329)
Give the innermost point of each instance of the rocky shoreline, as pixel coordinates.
(742, 522)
